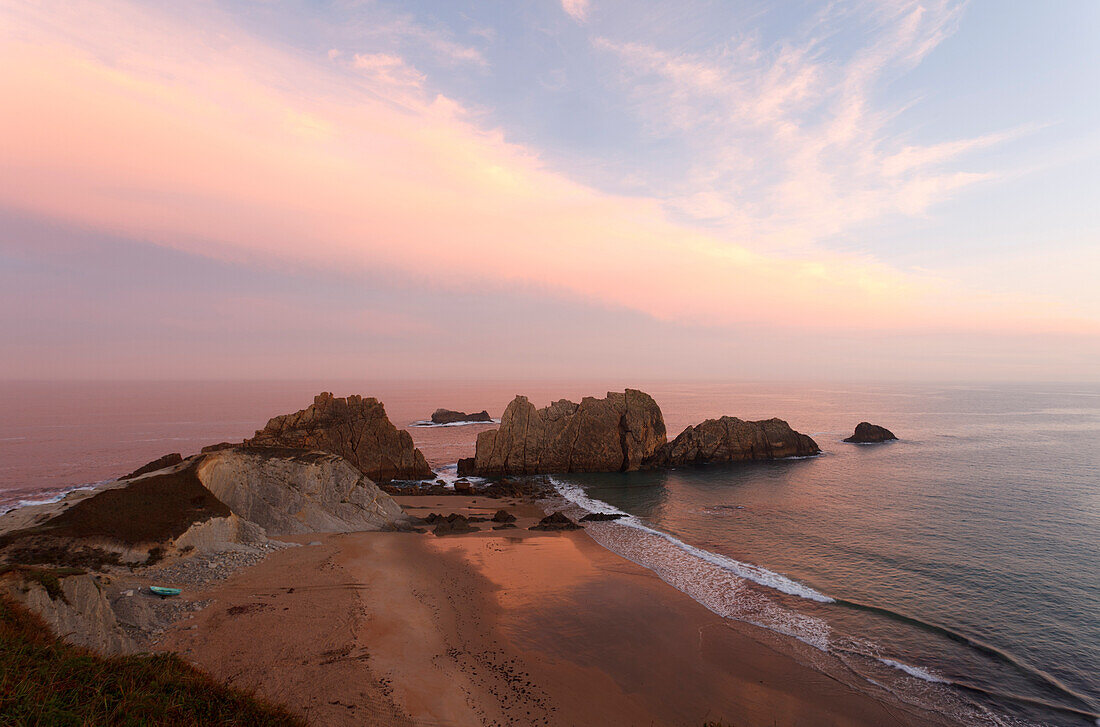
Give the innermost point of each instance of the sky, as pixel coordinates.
(879, 190)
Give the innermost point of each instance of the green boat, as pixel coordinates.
(164, 592)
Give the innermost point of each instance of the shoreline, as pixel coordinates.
(397, 628)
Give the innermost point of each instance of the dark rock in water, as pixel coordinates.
(601, 516)
(867, 433)
(466, 467)
(505, 526)
(556, 521)
(454, 524)
(447, 416)
(167, 460)
(503, 516)
(730, 439)
(614, 434)
(355, 428)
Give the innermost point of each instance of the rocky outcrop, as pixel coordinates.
(133, 522)
(287, 492)
(75, 608)
(447, 416)
(867, 433)
(733, 440)
(157, 464)
(614, 434)
(355, 428)
(556, 521)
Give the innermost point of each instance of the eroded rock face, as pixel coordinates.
(867, 433)
(355, 428)
(730, 439)
(287, 492)
(80, 614)
(448, 416)
(614, 434)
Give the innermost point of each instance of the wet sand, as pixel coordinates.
(508, 627)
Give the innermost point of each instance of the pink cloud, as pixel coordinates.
(167, 135)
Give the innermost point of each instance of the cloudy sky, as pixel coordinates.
(724, 189)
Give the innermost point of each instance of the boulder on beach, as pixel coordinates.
(867, 433)
(449, 416)
(730, 439)
(503, 516)
(614, 434)
(354, 428)
(454, 524)
(599, 517)
(556, 521)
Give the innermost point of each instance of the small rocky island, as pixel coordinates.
(867, 433)
(449, 416)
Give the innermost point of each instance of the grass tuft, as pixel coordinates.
(44, 681)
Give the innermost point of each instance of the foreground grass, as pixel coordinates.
(44, 681)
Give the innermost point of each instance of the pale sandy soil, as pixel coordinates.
(508, 627)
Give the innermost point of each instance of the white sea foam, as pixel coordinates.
(449, 474)
(915, 671)
(5, 509)
(748, 571)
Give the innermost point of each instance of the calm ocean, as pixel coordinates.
(959, 566)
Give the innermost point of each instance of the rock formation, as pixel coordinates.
(355, 428)
(733, 440)
(157, 464)
(614, 434)
(556, 521)
(288, 492)
(867, 433)
(447, 416)
(76, 609)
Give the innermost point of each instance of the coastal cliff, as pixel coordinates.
(79, 562)
(614, 434)
(355, 428)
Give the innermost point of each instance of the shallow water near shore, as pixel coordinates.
(966, 553)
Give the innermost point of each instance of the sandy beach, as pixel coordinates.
(503, 627)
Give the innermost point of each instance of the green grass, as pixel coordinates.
(44, 681)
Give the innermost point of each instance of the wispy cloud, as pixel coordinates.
(239, 150)
(577, 9)
(787, 142)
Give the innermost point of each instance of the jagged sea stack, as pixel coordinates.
(614, 434)
(355, 428)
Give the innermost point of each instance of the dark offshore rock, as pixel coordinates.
(556, 521)
(730, 439)
(355, 428)
(867, 433)
(614, 434)
(448, 416)
(601, 517)
(157, 464)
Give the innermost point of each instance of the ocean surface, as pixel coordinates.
(958, 567)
